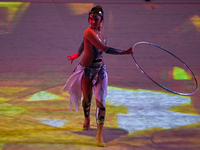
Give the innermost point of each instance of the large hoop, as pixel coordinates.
(183, 94)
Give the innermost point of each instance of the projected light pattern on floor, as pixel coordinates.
(10, 110)
(10, 15)
(37, 37)
(80, 8)
(53, 122)
(180, 74)
(43, 95)
(196, 22)
(148, 109)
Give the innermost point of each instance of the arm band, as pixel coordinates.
(81, 48)
(110, 50)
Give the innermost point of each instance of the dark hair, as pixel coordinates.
(96, 10)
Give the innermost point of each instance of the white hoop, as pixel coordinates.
(183, 94)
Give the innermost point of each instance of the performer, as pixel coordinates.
(91, 73)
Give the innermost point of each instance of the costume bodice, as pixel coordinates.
(97, 53)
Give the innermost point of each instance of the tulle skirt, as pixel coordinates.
(100, 82)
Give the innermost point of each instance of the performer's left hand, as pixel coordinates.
(129, 51)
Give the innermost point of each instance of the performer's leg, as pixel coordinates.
(100, 116)
(86, 109)
(100, 90)
(86, 86)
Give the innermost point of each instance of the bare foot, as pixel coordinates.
(100, 141)
(86, 125)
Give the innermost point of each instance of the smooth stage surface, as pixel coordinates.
(37, 36)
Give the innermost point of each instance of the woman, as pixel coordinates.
(91, 73)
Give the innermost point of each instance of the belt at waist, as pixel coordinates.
(98, 60)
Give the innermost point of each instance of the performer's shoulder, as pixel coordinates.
(89, 32)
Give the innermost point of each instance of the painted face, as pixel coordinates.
(95, 21)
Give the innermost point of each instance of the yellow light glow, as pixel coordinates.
(10, 14)
(196, 22)
(12, 90)
(80, 8)
(10, 110)
(4, 99)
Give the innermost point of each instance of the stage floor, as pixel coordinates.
(37, 36)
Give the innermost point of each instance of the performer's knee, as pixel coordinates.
(86, 107)
(100, 114)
